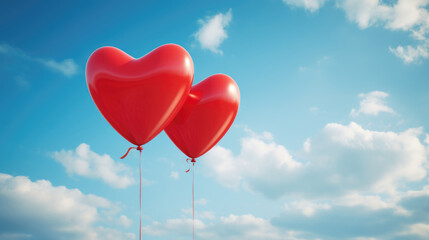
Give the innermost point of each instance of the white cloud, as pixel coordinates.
(38, 210)
(372, 104)
(314, 110)
(410, 16)
(249, 227)
(231, 227)
(84, 162)
(372, 202)
(310, 5)
(406, 15)
(307, 145)
(199, 214)
(418, 193)
(307, 208)
(365, 12)
(212, 32)
(67, 67)
(324, 60)
(175, 227)
(355, 218)
(321, 61)
(411, 54)
(201, 201)
(113, 234)
(358, 217)
(14, 236)
(401, 15)
(125, 221)
(259, 156)
(225, 171)
(303, 69)
(174, 175)
(342, 159)
(419, 229)
(355, 158)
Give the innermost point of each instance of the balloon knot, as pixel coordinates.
(138, 148)
(193, 160)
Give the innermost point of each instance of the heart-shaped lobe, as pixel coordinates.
(206, 116)
(140, 97)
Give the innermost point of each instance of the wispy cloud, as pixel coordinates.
(39, 210)
(199, 214)
(314, 110)
(308, 208)
(411, 54)
(363, 220)
(21, 81)
(201, 201)
(86, 163)
(302, 69)
(402, 15)
(174, 175)
(225, 228)
(419, 229)
(310, 5)
(67, 67)
(212, 32)
(372, 103)
(324, 59)
(319, 63)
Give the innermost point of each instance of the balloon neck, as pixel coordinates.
(193, 161)
(139, 148)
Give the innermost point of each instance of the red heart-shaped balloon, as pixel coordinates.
(140, 97)
(206, 116)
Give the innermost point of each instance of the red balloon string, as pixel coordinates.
(193, 193)
(193, 208)
(140, 200)
(138, 148)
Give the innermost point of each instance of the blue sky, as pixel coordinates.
(330, 141)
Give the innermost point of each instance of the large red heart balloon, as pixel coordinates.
(140, 97)
(206, 116)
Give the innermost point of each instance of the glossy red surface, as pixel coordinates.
(140, 97)
(206, 116)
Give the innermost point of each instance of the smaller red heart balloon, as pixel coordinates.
(206, 116)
